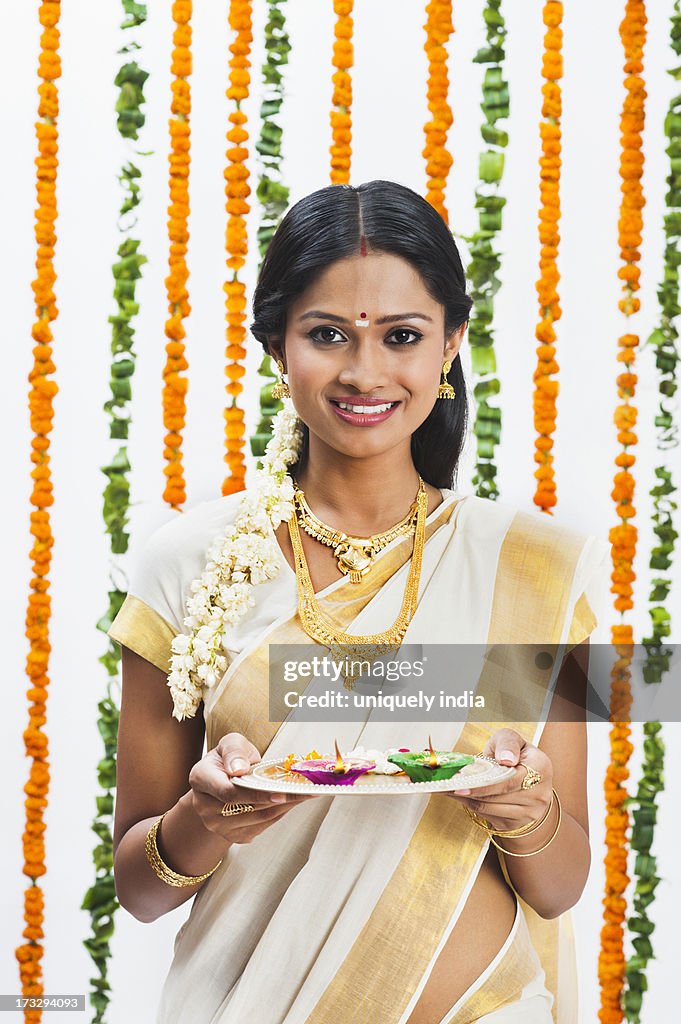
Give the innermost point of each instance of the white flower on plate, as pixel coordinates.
(383, 765)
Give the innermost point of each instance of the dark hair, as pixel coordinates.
(327, 226)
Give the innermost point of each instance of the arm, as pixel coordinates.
(160, 769)
(552, 881)
(155, 756)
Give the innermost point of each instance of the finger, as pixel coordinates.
(212, 778)
(209, 777)
(506, 746)
(469, 795)
(499, 789)
(249, 819)
(233, 793)
(214, 790)
(261, 816)
(237, 753)
(506, 811)
(505, 788)
(531, 757)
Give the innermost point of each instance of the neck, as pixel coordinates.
(360, 496)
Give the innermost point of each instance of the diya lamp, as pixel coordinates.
(329, 772)
(431, 765)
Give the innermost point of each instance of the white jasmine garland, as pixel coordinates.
(246, 555)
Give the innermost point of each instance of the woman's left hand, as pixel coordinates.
(507, 805)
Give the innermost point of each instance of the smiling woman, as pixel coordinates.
(364, 301)
(353, 539)
(388, 363)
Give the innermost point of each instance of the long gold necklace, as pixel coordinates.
(345, 646)
(354, 555)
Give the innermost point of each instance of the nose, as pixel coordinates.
(364, 368)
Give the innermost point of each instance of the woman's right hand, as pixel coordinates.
(210, 781)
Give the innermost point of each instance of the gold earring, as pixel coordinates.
(281, 389)
(445, 389)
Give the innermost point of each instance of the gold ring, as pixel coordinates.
(229, 809)
(533, 778)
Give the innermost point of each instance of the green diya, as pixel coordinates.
(430, 765)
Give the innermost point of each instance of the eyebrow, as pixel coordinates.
(317, 314)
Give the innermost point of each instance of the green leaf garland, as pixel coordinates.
(485, 260)
(645, 866)
(271, 192)
(100, 899)
(663, 340)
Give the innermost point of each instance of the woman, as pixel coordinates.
(395, 910)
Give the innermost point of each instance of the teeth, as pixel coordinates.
(365, 409)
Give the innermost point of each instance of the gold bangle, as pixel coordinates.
(165, 873)
(523, 830)
(526, 830)
(509, 853)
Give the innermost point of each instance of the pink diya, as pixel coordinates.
(327, 772)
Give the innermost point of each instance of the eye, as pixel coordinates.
(316, 334)
(402, 340)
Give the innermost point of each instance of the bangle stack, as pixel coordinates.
(165, 873)
(523, 830)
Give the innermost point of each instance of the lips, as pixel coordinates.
(361, 400)
(363, 411)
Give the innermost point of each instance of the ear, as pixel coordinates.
(454, 341)
(276, 349)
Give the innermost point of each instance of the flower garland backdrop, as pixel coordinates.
(438, 159)
(100, 899)
(175, 385)
(219, 599)
(651, 780)
(237, 191)
(485, 261)
(43, 389)
(272, 193)
(624, 536)
(546, 389)
(341, 101)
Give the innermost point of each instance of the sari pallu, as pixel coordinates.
(338, 912)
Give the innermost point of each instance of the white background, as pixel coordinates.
(389, 112)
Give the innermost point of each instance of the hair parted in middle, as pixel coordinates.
(331, 224)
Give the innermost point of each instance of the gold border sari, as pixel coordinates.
(339, 911)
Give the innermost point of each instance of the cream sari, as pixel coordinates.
(339, 911)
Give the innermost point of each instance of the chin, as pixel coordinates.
(362, 448)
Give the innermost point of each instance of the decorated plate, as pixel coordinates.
(271, 777)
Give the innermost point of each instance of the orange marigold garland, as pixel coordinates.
(30, 953)
(237, 190)
(546, 389)
(175, 385)
(438, 28)
(623, 537)
(341, 120)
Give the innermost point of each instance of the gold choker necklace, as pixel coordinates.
(355, 555)
(346, 648)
